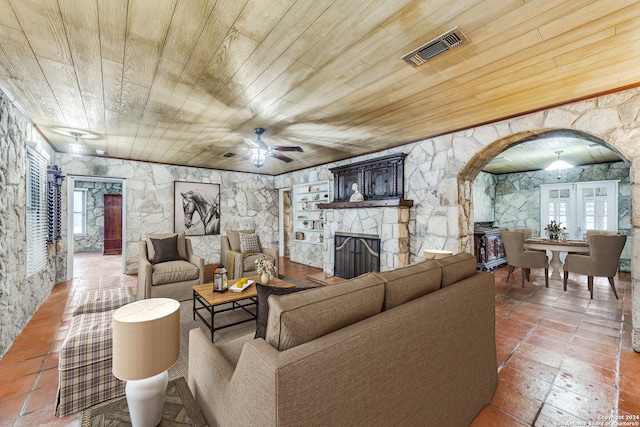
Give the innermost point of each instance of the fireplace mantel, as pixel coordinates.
(382, 203)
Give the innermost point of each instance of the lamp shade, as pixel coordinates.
(559, 165)
(146, 338)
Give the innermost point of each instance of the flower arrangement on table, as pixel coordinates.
(264, 265)
(554, 229)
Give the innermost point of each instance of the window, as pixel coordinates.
(598, 205)
(80, 211)
(581, 206)
(36, 212)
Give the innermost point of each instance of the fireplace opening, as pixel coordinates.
(355, 254)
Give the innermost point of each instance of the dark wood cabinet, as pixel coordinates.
(112, 224)
(380, 180)
(489, 249)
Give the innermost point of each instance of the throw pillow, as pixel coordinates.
(262, 313)
(165, 249)
(182, 245)
(302, 317)
(249, 243)
(234, 239)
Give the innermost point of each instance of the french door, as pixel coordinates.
(580, 206)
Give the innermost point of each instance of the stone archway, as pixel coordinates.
(474, 166)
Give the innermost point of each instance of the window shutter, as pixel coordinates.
(36, 212)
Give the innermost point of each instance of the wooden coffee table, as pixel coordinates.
(205, 299)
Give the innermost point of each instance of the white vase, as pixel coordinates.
(264, 278)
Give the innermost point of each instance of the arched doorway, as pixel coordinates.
(474, 166)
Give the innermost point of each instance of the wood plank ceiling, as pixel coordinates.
(180, 81)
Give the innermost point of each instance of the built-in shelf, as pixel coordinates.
(308, 218)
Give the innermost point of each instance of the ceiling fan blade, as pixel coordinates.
(288, 148)
(281, 157)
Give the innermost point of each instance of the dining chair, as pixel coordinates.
(528, 233)
(602, 260)
(590, 233)
(513, 242)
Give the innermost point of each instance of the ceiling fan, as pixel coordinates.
(259, 151)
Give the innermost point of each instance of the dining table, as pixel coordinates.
(556, 246)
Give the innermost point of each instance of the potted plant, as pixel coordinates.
(305, 223)
(321, 238)
(554, 229)
(265, 269)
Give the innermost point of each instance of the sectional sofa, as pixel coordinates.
(413, 346)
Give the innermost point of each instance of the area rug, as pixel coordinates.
(179, 410)
(187, 323)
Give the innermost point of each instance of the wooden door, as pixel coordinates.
(112, 224)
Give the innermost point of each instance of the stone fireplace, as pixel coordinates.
(390, 224)
(384, 212)
(355, 254)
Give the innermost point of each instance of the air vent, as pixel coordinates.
(227, 154)
(435, 47)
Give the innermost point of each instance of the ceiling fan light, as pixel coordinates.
(258, 157)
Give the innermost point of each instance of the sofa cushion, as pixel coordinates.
(234, 238)
(262, 314)
(104, 300)
(174, 271)
(182, 244)
(232, 349)
(249, 242)
(457, 267)
(405, 284)
(304, 316)
(165, 249)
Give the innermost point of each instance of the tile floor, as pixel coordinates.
(562, 357)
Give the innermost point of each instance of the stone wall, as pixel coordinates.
(20, 296)
(93, 239)
(246, 201)
(484, 197)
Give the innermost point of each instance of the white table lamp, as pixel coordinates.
(146, 343)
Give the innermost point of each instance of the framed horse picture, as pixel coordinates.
(196, 208)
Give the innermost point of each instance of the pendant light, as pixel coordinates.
(558, 165)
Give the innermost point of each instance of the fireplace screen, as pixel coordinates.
(356, 254)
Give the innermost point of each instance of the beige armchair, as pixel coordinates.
(241, 263)
(602, 260)
(513, 242)
(167, 267)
